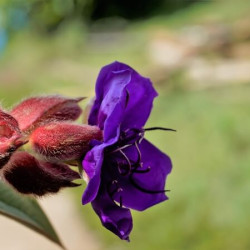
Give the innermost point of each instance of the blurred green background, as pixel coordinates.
(197, 53)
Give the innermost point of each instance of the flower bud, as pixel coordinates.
(63, 141)
(37, 111)
(4, 158)
(10, 137)
(30, 176)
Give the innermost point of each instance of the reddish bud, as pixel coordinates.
(30, 176)
(10, 137)
(4, 158)
(63, 141)
(37, 111)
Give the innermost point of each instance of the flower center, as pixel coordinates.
(130, 138)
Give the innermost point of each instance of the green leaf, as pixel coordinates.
(27, 211)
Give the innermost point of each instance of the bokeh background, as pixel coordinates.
(197, 53)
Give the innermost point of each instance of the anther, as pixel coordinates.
(128, 170)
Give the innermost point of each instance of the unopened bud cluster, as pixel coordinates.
(38, 141)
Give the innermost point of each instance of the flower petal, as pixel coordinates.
(103, 85)
(92, 165)
(152, 181)
(116, 219)
(109, 105)
(35, 111)
(123, 98)
(140, 101)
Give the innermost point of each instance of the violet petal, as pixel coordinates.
(92, 165)
(154, 180)
(123, 98)
(116, 219)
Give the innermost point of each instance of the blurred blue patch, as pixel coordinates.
(17, 18)
(3, 40)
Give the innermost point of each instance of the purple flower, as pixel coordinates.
(124, 170)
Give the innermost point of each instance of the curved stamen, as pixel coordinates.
(159, 128)
(136, 132)
(142, 171)
(110, 190)
(120, 201)
(123, 169)
(142, 137)
(129, 167)
(139, 132)
(121, 148)
(116, 190)
(114, 182)
(113, 193)
(120, 197)
(138, 162)
(144, 190)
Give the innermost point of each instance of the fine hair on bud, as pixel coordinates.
(63, 141)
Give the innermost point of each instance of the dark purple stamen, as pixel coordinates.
(144, 190)
(117, 189)
(125, 138)
(159, 128)
(133, 168)
(120, 201)
(112, 191)
(129, 167)
(121, 148)
(138, 162)
(142, 171)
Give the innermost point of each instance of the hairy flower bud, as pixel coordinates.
(30, 176)
(37, 111)
(63, 141)
(10, 137)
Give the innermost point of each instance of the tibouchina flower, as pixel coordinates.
(123, 170)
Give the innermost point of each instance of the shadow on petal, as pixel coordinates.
(116, 219)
